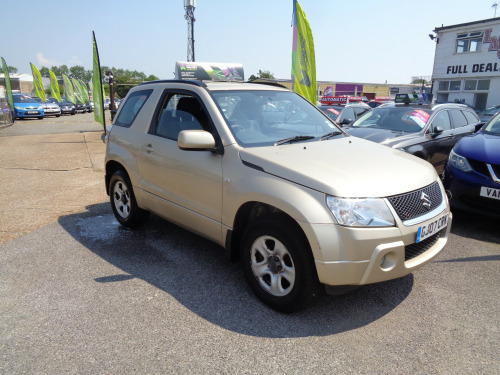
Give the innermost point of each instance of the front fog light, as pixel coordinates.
(360, 212)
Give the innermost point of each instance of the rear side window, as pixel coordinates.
(131, 107)
(471, 117)
(441, 120)
(458, 117)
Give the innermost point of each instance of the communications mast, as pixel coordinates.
(189, 6)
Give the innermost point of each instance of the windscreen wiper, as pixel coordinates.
(329, 135)
(297, 138)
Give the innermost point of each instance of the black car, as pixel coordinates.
(429, 132)
(486, 114)
(345, 114)
(80, 107)
(66, 106)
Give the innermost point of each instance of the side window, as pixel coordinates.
(458, 117)
(442, 119)
(180, 112)
(131, 107)
(348, 113)
(471, 117)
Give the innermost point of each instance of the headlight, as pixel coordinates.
(459, 162)
(19, 108)
(363, 212)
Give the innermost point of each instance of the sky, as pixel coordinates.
(365, 41)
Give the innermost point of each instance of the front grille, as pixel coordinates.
(414, 250)
(479, 167)
(410, 205)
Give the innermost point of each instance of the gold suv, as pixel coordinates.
(264, 173)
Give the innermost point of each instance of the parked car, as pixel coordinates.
(49, 107)
(486, 114)
(89, 107)
(66, 106)
(343, 109)
(472, 175)
(80, 107)
(298, 200)
(26, 107)
(378, 102)
(429, 132)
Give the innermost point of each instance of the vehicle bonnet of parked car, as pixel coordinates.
(26, 107)
(429, 132)
(49, 107)
(259, 170)
(472, 175)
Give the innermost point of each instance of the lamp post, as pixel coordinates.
(112, 108)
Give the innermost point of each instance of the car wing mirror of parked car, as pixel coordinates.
(346, 121)
(437, 130)
(478, 126)
(196, 140)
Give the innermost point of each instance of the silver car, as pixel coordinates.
(262, 172)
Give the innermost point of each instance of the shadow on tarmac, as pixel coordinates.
(476, 227)
(196, 273)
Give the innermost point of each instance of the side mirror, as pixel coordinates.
(346, 121)
(196, 140)
(478, 126)
(438, 130)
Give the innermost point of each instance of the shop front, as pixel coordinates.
(467, 64)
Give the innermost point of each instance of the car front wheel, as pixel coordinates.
(123, 201)
(278, 263)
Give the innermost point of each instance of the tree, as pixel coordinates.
(79, 72)
(44, 72)
(266, 74)
(11, 69)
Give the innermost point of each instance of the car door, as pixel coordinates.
(439, 142)
(183, 186)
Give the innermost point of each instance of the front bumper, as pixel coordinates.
(366, 255)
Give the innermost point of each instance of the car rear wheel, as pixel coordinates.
(278, 263)
(123, 202)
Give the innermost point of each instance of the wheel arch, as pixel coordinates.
(248, 213)
(111, 167)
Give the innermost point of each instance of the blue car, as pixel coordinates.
(472, 174)
(26, 107)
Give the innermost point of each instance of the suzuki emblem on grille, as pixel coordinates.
(426, 200)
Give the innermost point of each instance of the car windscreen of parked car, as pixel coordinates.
(263, 118)
(401, 119)
(23, 99)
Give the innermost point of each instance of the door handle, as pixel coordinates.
(148, 148)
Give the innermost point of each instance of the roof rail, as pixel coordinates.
(189, 82)
(270, 82)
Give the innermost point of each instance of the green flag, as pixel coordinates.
(68, 89)
(85, 91)
(7, 84)
(97, 84)
(37, 82)
(54, 86)
(303, 59)
(78, 90)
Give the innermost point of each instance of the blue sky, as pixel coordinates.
(355, 41)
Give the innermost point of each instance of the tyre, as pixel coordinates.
(123, 201)
(40, 118)
(278, 263)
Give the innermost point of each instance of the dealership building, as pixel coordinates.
(467, 63)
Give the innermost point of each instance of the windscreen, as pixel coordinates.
(404, 119)
(259, 118)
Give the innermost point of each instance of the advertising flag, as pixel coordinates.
(54, 86)
(37, 82)
(78, 89)
(7, 84)
(97, 85)
(303, 59)
(85, 92)
(68, 89)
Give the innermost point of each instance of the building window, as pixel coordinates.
(470, 42)
(483, 84)
(455, 85)
(444, 85)
(470, 85)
